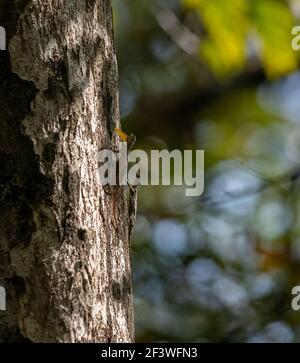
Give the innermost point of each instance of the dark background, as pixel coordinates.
(219, 76)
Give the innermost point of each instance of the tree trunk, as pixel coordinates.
(64, 264)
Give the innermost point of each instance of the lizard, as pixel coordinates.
(132, 204)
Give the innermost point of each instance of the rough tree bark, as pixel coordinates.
(64, 265)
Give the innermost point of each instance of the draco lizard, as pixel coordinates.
(133, 189)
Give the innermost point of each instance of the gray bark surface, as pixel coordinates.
(64, 264)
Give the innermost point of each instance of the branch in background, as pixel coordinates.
(285, 180)
(185, 39)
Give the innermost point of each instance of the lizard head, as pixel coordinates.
(131, 139)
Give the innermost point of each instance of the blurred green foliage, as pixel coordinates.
(217, 75)
(237, 28)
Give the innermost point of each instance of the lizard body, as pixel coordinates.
(132, 203)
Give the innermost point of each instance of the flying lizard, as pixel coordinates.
(133, 189)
